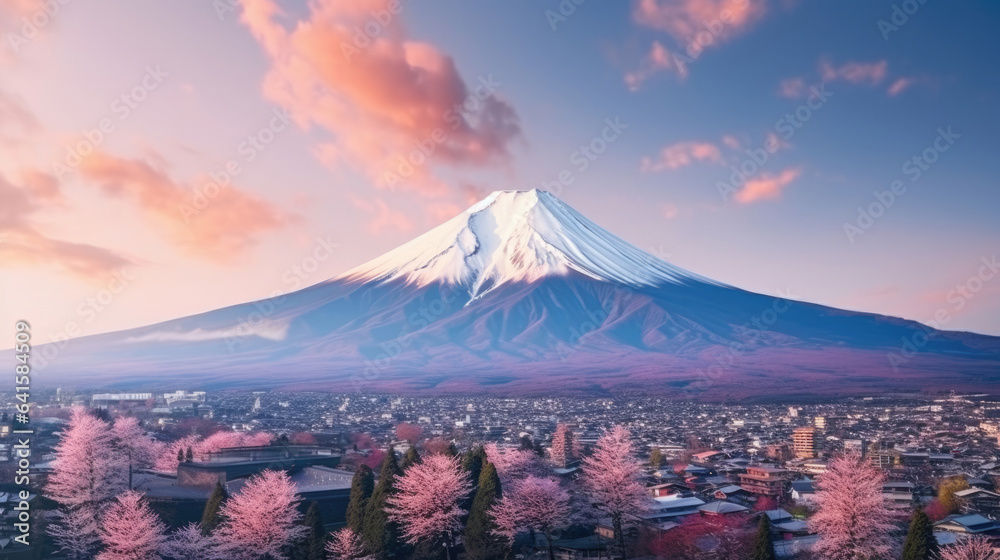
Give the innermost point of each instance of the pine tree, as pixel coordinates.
(411, 458)
(189, 455)
(380, 535)
(451, 450)
(313, 547)
(180, 455)
(362, 486)
(921, 544)
(480, 541)
(763, 546)
(210, 516)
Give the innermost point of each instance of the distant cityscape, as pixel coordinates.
(714, 459)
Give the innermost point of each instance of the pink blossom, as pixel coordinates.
(970, 548)
(187, 543)
(427, 502)
(345, 544)
(85, 473)
(135, 448)
(532, 504)
(612, 475)
(130, 530)
(512, 464)
(261, 520)
(852, 520)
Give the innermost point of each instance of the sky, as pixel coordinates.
(159, 159)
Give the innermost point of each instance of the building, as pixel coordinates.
(104, 400)
(859, 446)
(764, 481)
(820, 423)
(804, 442)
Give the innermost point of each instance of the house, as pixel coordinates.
(803, 491)
(706, 456)
(765, 481)
(777, 516)
(972, 524)
(668, 508)
(980, 500)
(721, 508)
(731, 492)
(792, 529)
(669, 489)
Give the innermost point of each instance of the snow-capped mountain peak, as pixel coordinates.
(518, 236)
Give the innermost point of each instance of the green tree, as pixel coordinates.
(656, 458)
(362, 486)
(763, 544)
(451, 450)
(189, 455)
(313, 546)
(380, 535)
(210, 517)
(411, 458)
(921, 544)
(480, 542)
(180, 455)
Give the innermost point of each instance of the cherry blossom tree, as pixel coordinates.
(188, 543)
(612, 475)
(971, 548)
(512, 464)
(262, 520)
(427, 504)
(346, 544)
(533, 504)
(75, 532)
(130, 530)
(84, 478)
(408, 432)
(167, 460)
(136, 449)
(852, 520)
(562, 451)
(84, 473)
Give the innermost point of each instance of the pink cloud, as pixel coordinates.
(383, 99)
(220, 226)
(686, 19)
(766, 187)
(22, 244)
(792, 88)
(899, 86)
(682, 154)
(731, 142)
(670, 211)
(658, 59)
(871, 73)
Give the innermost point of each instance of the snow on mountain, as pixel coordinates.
(521, 294)
(518, 236)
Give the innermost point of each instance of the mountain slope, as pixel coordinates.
(521, 294)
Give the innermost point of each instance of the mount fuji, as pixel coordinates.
(522, 295)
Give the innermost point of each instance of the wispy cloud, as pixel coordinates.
(680, 155)
(766, 186)
(898, 86)
(684, 19)
(870, 73)
(22, 244)
(222, 229)
(383, 217)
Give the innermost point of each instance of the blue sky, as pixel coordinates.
(655, 184)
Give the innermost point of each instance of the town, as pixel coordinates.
(704, 468)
